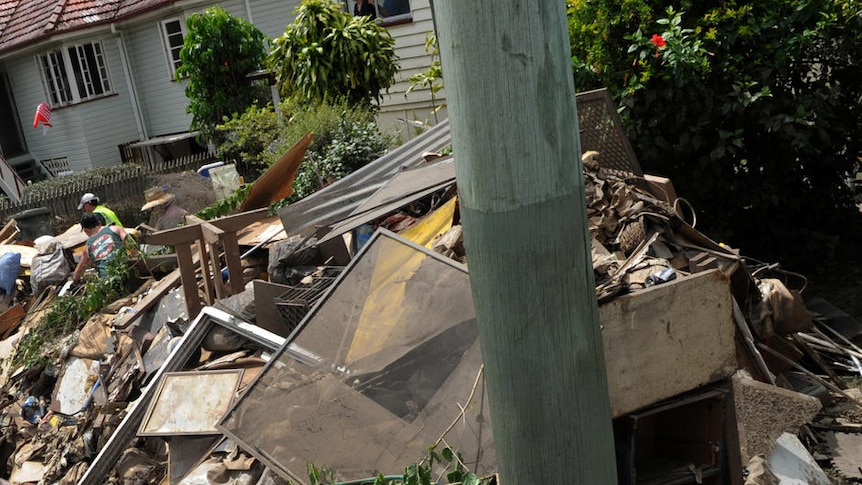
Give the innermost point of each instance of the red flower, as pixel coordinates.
(658, 41)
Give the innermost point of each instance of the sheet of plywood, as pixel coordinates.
(668, 339)
(846, 452)
(190, 403)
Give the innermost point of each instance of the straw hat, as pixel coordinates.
(156, 196)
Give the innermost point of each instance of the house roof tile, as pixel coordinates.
(23, 22)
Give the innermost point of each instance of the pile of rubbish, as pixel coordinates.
(341, 334)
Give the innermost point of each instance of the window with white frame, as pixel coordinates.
(75, 73)
(387, 11)
(173, 34)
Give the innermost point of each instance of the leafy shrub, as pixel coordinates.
(345, 138)
(248, 138)
(432, 79)
(328, 54)
(751, 108)
(225, 206)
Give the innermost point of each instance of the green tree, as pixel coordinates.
(218, 52)
(750, 107)
(327, 54)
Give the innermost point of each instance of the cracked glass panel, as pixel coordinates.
(386, 365)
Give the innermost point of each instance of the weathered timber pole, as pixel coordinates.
(511, 103)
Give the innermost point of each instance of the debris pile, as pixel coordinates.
(341, 333)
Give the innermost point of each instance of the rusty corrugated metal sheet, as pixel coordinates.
(338, 200)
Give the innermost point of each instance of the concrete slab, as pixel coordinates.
(764, 412)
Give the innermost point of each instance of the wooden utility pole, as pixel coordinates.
(511, 102)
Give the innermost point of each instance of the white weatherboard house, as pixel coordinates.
(105, 69)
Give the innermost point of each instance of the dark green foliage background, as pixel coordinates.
(752, 109)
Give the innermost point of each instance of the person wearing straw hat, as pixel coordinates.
(90, 205)
(165, 214)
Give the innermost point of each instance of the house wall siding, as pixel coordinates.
(85, 133)
(272, 17)
(417, 105)
(162, 100)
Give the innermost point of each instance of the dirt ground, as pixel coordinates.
(192, 191)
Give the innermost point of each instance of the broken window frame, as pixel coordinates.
(308, 357)
(107, 458)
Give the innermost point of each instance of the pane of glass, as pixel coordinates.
(386, 362)
(55, 78)
(173, 27)
(102, 67)
(50, 85)
(91, 75)
(79, 68)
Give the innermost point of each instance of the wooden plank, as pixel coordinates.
(667, 340)
(268, 229)
(215, 266)
(233, 262)
(187, 273)
(9, 232)
(748, 339)
(206, 274)
(158, 291)
(211, 234)
(239, 221)
(10, 319)
(174, 236)
(211, 237)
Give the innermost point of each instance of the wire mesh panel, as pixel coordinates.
(602, 131)
(295, 303)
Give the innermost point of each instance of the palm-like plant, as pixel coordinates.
(327, 54)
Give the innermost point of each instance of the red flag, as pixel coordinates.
(43, 115)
